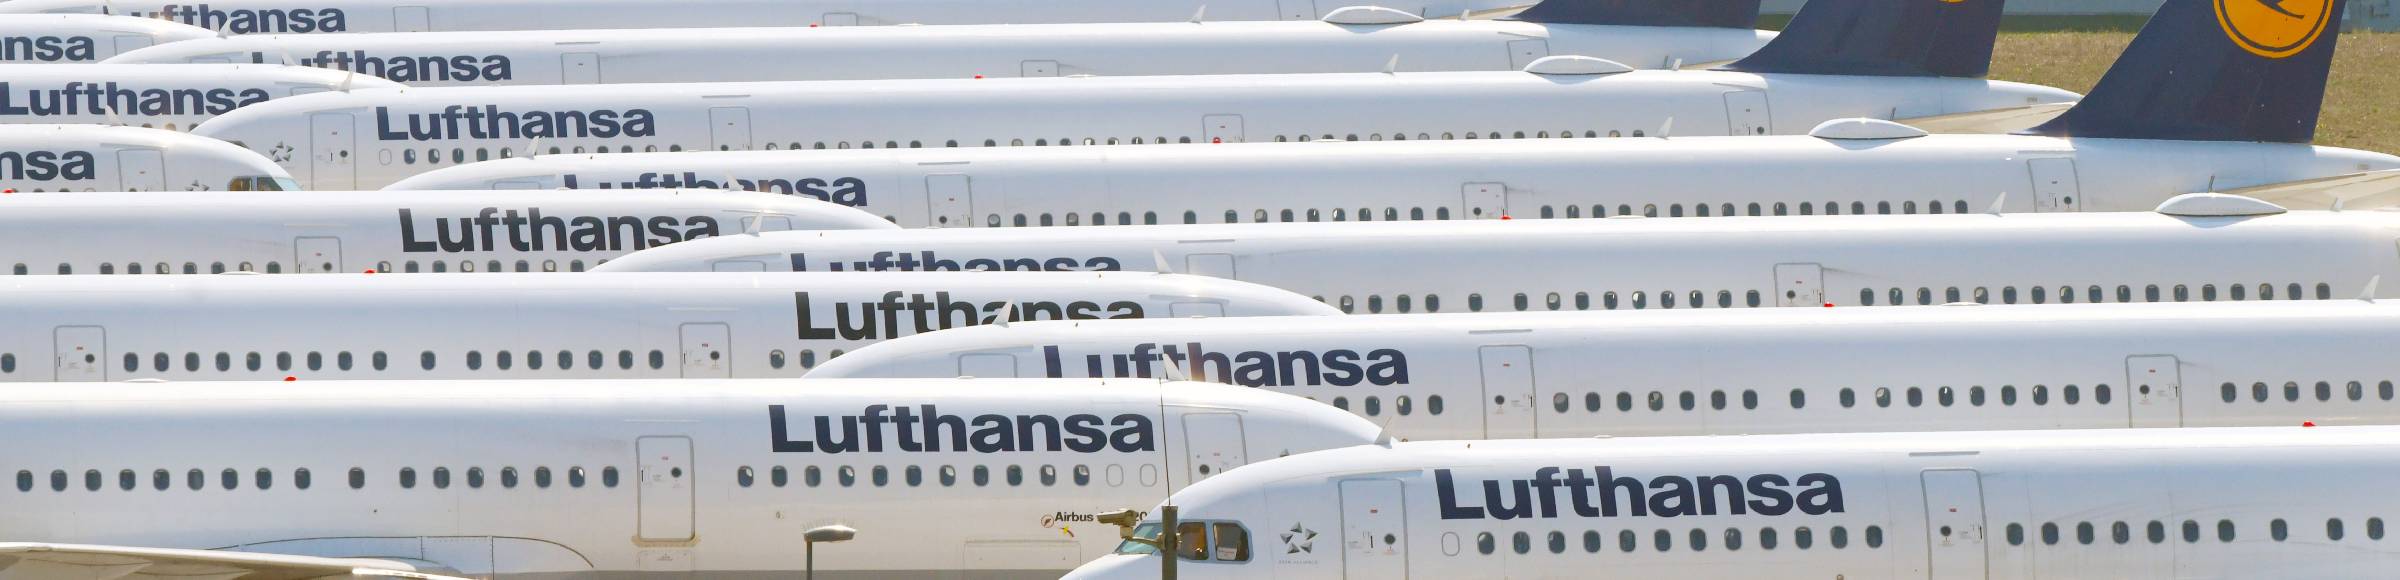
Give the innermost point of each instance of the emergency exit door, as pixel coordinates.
(317, 255)
(1746, 113)
(1485, 200)
(2154, 390)
(141, 170)
(1221, 128)
(579, 68)
(950, 201)
(665, 493)
(1213, 444)
(2055, 184)
(1799, 285)
(1508, 392)
(80, 353)
(988, 365)
(332, 147)
(729, 128)
(1954, 531)
(1374, 531)
(707, 351)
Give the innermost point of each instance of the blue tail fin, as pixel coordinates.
(2215, 70)
(1705, 13)
(1909, 38)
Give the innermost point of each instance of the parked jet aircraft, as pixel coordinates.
(168, 97)
(104, 158)
(371, 138)
(322, 16)
(63, 38)
(519, 479)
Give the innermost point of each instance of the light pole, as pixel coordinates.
(832, 533)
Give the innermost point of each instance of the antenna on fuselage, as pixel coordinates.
(533, 148)
(1998, 201)
(347, 77)
(1667, 128)
(2368, 295)
(1007, 310)
(111, 112)
(1159, 260)
(1197, 14)
(1392, 66)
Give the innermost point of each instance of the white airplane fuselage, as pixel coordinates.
(656, 478)
(416, 231)
(1643, 263)
(1553, 178)
(1725, 372)
(371, 138)
(88, 158)
(324, 16)
(2144, 503)
(175, 98)
(1031, 50)
(545, 326)
(72, 38)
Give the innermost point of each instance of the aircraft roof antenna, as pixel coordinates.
(2368, 295)
(1676, 64)
(347, 76)
(1171, 370)
(2338, 200)
(732, 184)
(1007, 310)
(533, 148)
(113, 119)
(1197, 14)
(1383, 431)
(286, 58)
(1160, 260)
(1997, 202)
(223, 32)
(1666, 128)
(1392, 66)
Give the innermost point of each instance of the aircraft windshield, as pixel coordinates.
(1148, 531)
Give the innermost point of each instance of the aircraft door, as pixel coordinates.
(1508, 385)
(707, 351)
(412, 19)
(125, 43)
(2055, 184)
(2154, 385)
(1485, 200)
(81, 354)
(950, 201)
(317, 255)
(1799, 285)
(665, 492)
(141, 170)
(579, 68)
(1221, 128)
(331, 144)
(988, 365)
(1746, 113)
(1954, 531)
(1213, 443)
(1524, 52)
(1038, 68)
(729, 128)
(1374, 530)
(1218, 265)
(1297, 9)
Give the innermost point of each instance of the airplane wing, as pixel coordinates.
(1992, 121)
(2367, 190)
(40, 560)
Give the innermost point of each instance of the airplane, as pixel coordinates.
(2188, 146)
(329, 16)
(1641, 263)
(546, 326)
(2251, 502)
(524, 479)
(104, 158)
(410, 131)
(86, 38)
(317, 232)
(1730, 372)
(174, 98)
(1355, 39)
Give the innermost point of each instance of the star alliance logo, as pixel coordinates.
(281, 153)
(1299, 540)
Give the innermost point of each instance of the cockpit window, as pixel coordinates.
(1147, 531)
(1197, 541)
